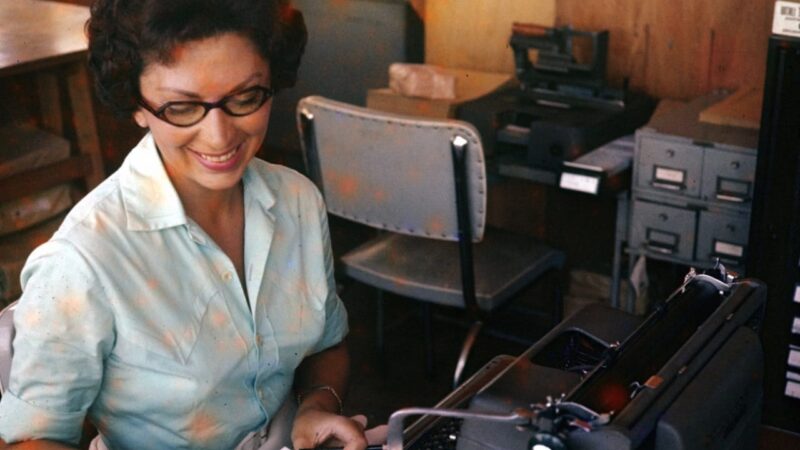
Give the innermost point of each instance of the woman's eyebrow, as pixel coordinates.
(191, 94)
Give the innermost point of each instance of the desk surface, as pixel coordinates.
(37, 34)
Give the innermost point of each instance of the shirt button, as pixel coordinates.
(259, 340)
(227, 276)
(261, 394)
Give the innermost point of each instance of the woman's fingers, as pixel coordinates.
(319, 428)
(349, 433)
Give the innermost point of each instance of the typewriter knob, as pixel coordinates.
(545, 441)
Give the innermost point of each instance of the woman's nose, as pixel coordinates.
(218, 128)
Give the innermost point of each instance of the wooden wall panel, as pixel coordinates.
(679, 48)
(474, 34)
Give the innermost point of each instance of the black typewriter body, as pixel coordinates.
(545, 136)
(562, 107)
(688, 376)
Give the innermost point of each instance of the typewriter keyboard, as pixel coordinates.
(442, 436)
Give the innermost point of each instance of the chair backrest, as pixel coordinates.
(6, 339)
(392, 172)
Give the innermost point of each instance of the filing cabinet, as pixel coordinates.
(367, 34)
(664, 229)
(728, 176)
(723, 234)
(692, 188)
(668, 165)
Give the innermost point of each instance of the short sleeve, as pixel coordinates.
(64, 330)
(336, 327)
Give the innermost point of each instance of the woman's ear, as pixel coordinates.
(140, 118)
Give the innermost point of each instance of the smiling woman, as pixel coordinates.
(206, 159)
(192, 292)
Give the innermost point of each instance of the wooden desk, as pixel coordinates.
(46, 39)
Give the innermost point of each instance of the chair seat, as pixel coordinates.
(429, 270)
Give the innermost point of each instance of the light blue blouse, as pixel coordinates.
(132, 314)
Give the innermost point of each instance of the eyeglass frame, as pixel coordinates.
(207, 106)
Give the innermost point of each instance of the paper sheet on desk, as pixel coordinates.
(610, 158)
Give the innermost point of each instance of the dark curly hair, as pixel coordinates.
(127, 35)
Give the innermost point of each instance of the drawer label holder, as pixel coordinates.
(662, 241)
(669, 178)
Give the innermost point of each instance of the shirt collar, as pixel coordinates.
(257, 190)
(151, 201)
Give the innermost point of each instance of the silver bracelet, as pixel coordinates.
(322, 387)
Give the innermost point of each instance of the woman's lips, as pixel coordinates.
(219, 162)
(219, 158)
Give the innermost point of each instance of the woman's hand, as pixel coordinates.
(314, 427)
(319, 380)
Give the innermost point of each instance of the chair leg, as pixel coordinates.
(558, 297)
(379, 318)
(428, 331)
(466, 348)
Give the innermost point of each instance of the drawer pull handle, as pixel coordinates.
(731, 198)
(728, 260)
(732, 189)
(660, 241)
(660, 248)
(671, 153)
(728, 250)
(669, 186)
(735, 164)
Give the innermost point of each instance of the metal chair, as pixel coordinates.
(424, 182)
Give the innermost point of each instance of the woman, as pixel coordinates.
(184, 298)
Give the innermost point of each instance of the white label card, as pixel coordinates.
(580, 183)
(797, 293)
(726, 248)
(670, 175)
(796, 325)
(786, 18)
(794, 358)
(792, 389)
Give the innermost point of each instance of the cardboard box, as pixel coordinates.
(470, 84)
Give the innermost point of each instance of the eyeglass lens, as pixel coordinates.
(239, 104)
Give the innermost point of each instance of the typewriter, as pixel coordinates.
(686, 376)
(563, 106)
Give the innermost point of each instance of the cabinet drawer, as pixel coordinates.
(663, 229)
(728, 176)
(669, 166)
(724, 236)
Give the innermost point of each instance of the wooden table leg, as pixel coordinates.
(83, 119)
(50, 103)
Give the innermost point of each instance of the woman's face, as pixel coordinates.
(212, 154)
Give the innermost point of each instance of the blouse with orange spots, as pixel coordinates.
(133, 316)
